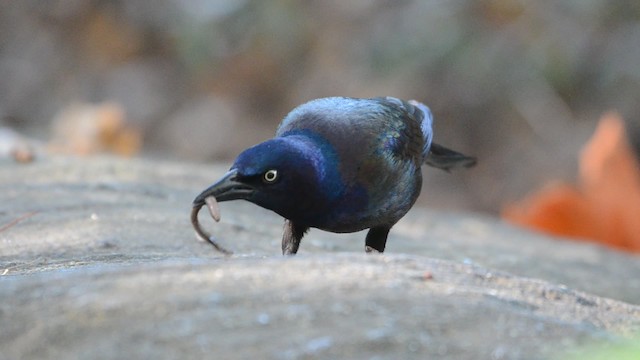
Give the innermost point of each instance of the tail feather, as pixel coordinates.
(446, 159)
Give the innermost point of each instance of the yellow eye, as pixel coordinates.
(270, 176)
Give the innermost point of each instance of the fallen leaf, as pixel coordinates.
(605, 204)
(84, 129)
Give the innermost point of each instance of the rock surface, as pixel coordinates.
(98, 260)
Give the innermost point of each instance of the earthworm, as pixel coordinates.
(214, 210)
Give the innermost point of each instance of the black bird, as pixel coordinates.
(340, 165)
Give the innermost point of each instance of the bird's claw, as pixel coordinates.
(368, 249)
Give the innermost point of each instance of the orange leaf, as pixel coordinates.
(85, 129)
(604, 206)
(558, 209)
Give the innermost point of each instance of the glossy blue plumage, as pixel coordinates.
(342, 165)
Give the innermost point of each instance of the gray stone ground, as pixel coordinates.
(98, 261)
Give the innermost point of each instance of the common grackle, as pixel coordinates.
(340, 165)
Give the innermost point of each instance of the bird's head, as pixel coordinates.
(292, 176)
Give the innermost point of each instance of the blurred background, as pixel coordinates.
(519, 84)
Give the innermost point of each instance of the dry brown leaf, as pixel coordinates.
(604, 206)
(84, 129)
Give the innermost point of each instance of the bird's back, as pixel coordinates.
(396, 129)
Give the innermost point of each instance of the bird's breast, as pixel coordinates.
(370, 201)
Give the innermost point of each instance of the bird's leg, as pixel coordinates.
(291, 237)
(376, 239)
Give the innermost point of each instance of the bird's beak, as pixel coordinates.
(225, 189)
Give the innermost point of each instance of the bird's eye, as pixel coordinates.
(270, 176)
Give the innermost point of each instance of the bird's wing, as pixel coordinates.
(422, 113)
(410, 123)
(434, 155)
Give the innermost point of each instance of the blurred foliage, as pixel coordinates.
(629, 350)
(511, 81)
